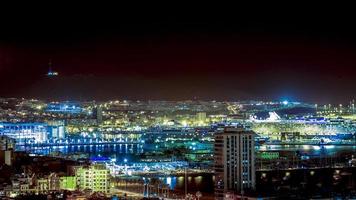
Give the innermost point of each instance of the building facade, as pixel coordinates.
(32, 132)
(234, 161)
(68, 183)
(50, 183)
(64, 107)
(93, 177)
(24, 132)
(7, 143)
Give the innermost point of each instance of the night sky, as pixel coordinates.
(221, 55)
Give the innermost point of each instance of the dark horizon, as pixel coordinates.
(309, 58)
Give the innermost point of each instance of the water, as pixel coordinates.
(312, 150)
(325, 181)
(203, 183)
(89, 151)
(131, 151)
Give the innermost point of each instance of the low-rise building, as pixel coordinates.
(93, 177)
(50, 183)
(68, 183)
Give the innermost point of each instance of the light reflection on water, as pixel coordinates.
(328, 150)
(201, 183)
(108, 150)
(112, 150)
(205, 183)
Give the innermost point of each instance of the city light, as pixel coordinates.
(151, 144)
(192, 107)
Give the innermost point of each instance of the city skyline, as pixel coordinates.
(176, 149)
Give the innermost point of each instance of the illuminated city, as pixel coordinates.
(179, 107)
(141, 145)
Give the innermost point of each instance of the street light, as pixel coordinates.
(189, 196)
(185, 181)
(198, 194)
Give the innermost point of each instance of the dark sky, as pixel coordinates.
(221, 55)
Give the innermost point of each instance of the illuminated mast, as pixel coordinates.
(50, 72)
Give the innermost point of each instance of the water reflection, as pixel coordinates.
(203, 183)
(328, 150)
(268, 182)
(108, 150)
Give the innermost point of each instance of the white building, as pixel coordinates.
(234, 161)
(22, 132)
(56, 129)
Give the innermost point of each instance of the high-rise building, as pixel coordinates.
(234, 161)
(98, 114)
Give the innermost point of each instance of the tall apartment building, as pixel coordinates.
(93, 177)
(234, 161)
(99, 114)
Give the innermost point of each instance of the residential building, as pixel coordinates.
(234, 161)
(93, 177)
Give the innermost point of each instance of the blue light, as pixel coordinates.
(50, 73)
(66, 107)
(99, 159)
(285, 102)
(316, 148)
